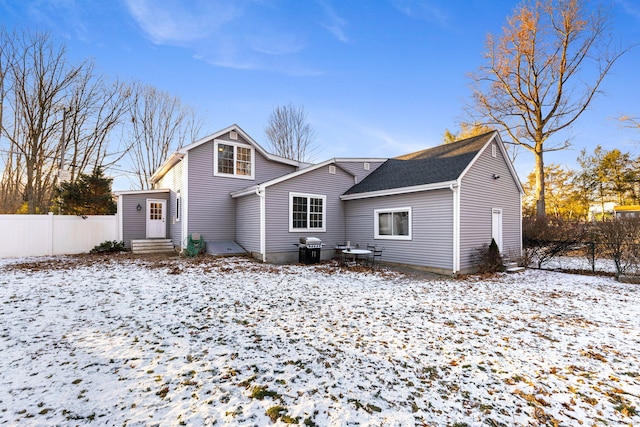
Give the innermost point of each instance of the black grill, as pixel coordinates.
(309, 250)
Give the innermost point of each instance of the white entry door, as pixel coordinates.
(496, 227)
(156, 219)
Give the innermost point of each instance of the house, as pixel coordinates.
(431, 209)
(626, 212)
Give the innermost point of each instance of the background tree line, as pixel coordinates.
(604, 176)
(56, 114)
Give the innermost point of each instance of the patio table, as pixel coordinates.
(357, 253)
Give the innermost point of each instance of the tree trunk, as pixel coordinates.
(541, 210)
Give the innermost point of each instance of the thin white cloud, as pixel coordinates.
(333, 23)
(240, 34)
(177, 22)
(630, 8)
(424, 10)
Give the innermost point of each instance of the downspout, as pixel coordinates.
(455, 188)
(184, 227)
(260, 192)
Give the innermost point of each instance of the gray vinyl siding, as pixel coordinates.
(318, 182)
(479, 194)
(431, 245)
(212, 211)
(173, 180)
(134, 224)
(248, 223)
(358, 170)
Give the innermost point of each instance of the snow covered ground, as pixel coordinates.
(132, 341)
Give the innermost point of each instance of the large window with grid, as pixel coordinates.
(393, 224)
(231, 159)
(307, 212)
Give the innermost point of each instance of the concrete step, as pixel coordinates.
(151, 246)
(512, 267)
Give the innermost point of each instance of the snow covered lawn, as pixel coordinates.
(149, 341)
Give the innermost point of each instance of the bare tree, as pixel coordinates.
(536, 81)
(289, 133)
(39, 77)
(95, 108)
(51, 112)
(160, 123)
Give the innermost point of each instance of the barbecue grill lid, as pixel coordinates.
(310, 240)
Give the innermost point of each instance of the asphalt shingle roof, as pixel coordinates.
(438, 164)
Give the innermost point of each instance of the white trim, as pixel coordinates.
(173, 160)
(261, 192)
(184, 227)
(251, 190)
(163, 203)
(235, 145)
(246, 137)
(308, 229)
(456, 228)
(245, 191)
(403, 190)
(120, 221)
(497, 228)
(178, 205)
(376, 224)
(130, 192)
(498, 142)
(360, 160)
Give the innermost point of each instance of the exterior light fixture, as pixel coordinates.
(138, 208)
(496, 176)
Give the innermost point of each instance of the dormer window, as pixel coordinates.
(233, 160)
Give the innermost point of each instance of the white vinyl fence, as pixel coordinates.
(37, 235)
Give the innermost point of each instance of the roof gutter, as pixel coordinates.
(405, 190)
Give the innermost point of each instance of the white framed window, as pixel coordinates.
(392, 224)
(178, 206)
(307, 212)
(233, 159)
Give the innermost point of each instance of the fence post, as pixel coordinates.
(593, 256)
(50, 233)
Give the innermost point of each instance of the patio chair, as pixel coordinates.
(337, 254)
(376, 252)
(195, 245)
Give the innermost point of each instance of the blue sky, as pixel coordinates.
(378, 78)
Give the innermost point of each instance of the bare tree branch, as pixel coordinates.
(289, 133)
(160, 123)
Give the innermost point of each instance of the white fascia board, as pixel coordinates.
(512, 171)
(128, 192)
(252, 189)
(246, 136)
(402, 190)
(173, 160)
(479, 153)
(360, 159)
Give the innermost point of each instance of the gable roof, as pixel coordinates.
(253, 188)
(435, 167)
(178, 155)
